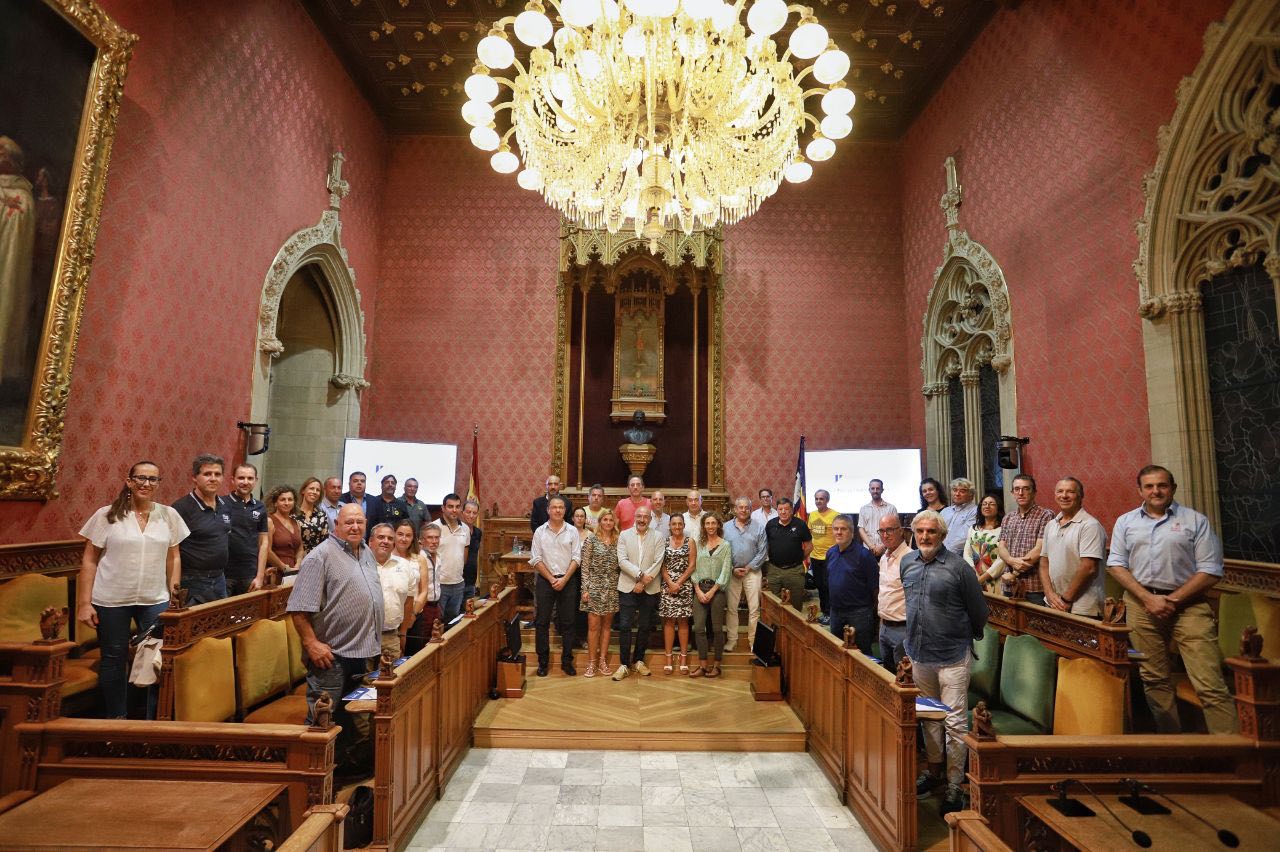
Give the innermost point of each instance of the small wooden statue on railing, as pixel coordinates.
(469, 608)
(1251, 644)
(983, 728)
(437, 632)
(906, 674)
(812, 613)
(386, 666)
(494, 590)
(850, 637)
(271, 579)
(1113, 611)
(785, 597)
(52, 620)
(177, 598)
(323, 713)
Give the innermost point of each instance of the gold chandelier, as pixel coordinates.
(659, 114)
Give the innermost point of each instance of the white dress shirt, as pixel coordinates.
(555, 549)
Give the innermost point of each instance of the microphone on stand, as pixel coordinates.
(1066, 806)
(1138, 836)
(1226, 837)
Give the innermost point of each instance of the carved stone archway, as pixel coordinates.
(318, 247)
(1212, 202)
(967, 326)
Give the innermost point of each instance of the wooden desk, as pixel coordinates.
(108, 814)
(1043, 827)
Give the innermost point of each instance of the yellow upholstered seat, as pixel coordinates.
(81, 676)
(22, 599)
(297, 671)
(290, 710)
(1267, 612)
(204, 682)
(1088, 700)
(1235, 613)
(262, 665)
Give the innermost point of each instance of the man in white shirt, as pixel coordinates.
(554, 556)
(891, 602)
(640, 553)
(869, 517)
(455, 538)
(693, 517)
(766, 512)
(1071, 554)
(661, 520)
(399, 579)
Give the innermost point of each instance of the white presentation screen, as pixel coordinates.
(433, 465)
(845, 474)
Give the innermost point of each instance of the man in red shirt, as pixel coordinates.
(626, 508)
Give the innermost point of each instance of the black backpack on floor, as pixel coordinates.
(357, 828)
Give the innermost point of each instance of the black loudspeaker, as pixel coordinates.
(1009, 451)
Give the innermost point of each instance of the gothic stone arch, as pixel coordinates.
(967, 326)
(1212, 202)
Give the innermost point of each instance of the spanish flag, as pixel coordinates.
(473, 487)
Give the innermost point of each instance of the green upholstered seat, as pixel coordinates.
(984, 674)
(1028, 677)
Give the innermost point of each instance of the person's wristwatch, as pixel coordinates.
(1066, 600)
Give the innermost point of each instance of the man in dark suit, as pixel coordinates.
(538, 516)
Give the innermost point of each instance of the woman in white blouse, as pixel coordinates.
(980, 546)
(129, 564)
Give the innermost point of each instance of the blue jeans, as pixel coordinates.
(451, 598)
(892, 649)
(338, 680)
(203, 588)
(863, 621)
(113, 637)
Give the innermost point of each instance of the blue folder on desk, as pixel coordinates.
(925, 703)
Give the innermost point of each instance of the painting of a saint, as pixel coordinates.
(638, 357)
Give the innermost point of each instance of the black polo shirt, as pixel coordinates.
(471, 569)
(786, 543)
(386, 513)
(205, 550)
(248, 521)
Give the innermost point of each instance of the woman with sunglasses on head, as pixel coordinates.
(130, 563)
(313, 523)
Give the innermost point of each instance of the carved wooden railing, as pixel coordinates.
(184, 627)
(31, 676)
(424, 719)
(54, 558)
(321, 831)
(298, 757)
(861, 723)
(1067, 635)
(1262, 578)
(969, 832)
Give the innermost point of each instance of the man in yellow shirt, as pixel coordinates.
(820, 522)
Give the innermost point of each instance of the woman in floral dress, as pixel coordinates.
(600, 590)
(980, 546)
(676, 606)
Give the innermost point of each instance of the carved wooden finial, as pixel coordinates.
(323, 713)
(177, 598)
(469, 608)
(1113, 611)
(785, 597)
(387, 666)
(52, 621)
(906, 676)
(1019, 590)
(494, 590)
(983, 729)
(437, 631)
(271, 578)
(850, 636)
(1251, 643)
(813, 613)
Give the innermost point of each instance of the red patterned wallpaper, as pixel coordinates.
(813, 279)
(1052, 116)
(231, 110)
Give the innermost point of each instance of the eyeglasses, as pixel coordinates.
(890, 529)
(145, 480)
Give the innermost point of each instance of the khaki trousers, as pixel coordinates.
(1194, 631)
(950, 685)
(787, 578)
(749, 585)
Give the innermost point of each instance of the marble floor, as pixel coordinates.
(533, 799)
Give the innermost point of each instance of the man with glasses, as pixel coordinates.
(891, 604)
(1021, 536)
(766, 512)
(204, 552)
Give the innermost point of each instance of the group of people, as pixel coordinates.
(924, 602)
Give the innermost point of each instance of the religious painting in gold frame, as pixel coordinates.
(62, 71)
(638, 362)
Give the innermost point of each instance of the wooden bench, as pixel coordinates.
(1067, 635)
(861, 723)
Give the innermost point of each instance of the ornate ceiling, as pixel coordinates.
(410, 57)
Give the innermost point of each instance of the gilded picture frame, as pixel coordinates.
(64, 64)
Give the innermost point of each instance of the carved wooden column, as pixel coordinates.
(973, 428)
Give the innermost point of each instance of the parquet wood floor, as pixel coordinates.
(657, 713)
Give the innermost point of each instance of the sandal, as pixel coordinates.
(604, 668)
(667, 669)
(684, 664)
(591, 670)
(697, 672)
(713, 670)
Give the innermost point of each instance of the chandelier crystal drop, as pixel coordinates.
(658, 115)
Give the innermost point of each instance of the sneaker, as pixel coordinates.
(926, 783)
(642, 669)
(824, 619)
(953, 801)
(621, 673)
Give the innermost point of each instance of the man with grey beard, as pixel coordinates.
(945, 613)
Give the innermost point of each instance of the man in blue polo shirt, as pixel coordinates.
(204, 552)
(247, 543)
(1166, 557)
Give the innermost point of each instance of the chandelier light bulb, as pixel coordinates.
(838, 101)
(504, 162)
(807, 41)
(580, 13)
(836, 126)
(589, 64)
(496, 52)
(533, 28)
(633, 42)
(700, 10)
(831, 66)
(485, 138)
(766, 17)
(477, 113)
(798, 172)
(481, 87)
(724, 17)
(663, 8)
(820, 149)
(530, 179)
